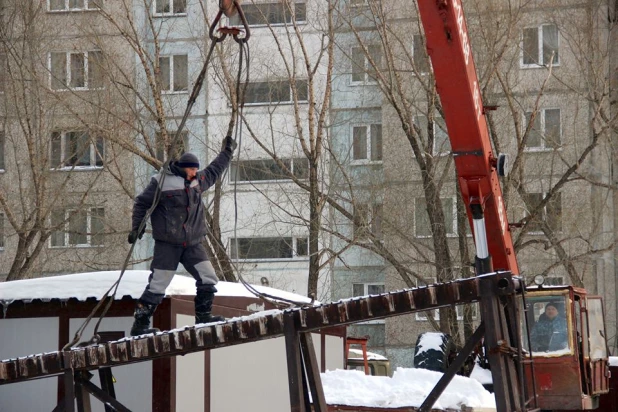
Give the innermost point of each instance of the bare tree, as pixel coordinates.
(552, 118)
(57, 190)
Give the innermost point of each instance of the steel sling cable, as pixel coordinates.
(192, 98)
(240, 103)
(240, 93)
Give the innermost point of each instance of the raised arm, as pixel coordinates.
(209, 175)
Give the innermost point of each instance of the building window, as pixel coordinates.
(441, 143)
(2, 144)
(278, 13)
(419, 54)
(73, 227)
(554, 281)
(256, 248)
(551, 213)
(363, 71)
(73, 5)
(540, 46)
(174, 73)
(163, 148)
(302, 247)
(170, 7)
(77, 71)
(460, 309)
(368, 220)
(275, 92)
(365, 289)
(359, 3)
(76, 149)
(367, 143)
(546, 130)
(268, 170)
(1, 230)
(422, 226)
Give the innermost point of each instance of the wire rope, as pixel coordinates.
(107, 298)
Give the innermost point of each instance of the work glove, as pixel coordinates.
(133, 236)
(230, 144)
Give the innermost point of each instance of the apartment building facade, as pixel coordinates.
(536, 65)
(63, 174)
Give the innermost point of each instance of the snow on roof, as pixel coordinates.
(407, 388)
(358, 353)
(82, 286)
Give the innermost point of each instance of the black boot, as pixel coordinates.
(142, 314)
(203, 308)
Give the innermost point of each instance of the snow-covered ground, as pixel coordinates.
(407, 388)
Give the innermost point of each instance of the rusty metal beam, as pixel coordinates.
(81, 394)
(499, 343)
(69, 385)
(295, 369)
(107, 385)
(248, 329)
(110, 403)
(312, 373)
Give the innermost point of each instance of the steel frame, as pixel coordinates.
(496, 293)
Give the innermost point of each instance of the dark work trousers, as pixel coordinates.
(165, 262)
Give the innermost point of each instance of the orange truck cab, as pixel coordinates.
(566, 356)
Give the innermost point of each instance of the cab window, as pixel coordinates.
(596, 340)
(548, 325)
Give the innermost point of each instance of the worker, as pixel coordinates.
(178, 228)
(550, 332)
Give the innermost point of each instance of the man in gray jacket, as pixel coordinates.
(178, 228)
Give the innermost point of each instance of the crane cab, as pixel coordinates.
(565, 349)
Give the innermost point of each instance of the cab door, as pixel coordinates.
(597, 354)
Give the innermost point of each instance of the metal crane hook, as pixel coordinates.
(229, 8)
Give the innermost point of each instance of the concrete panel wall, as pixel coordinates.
(256, 370)
(21, 337)
(133, 384)
(334, 351)
(189, 376)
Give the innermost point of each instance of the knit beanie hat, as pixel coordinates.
(188, 160)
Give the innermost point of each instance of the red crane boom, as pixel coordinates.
(448, 46)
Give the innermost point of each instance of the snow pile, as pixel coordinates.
(82, 286)
(407, 388)
(481, 374)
